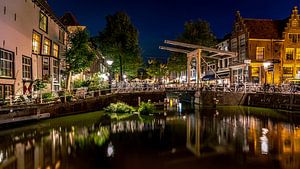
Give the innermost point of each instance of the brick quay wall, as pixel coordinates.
(267, 100)
(99, 103)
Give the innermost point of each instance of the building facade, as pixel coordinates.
(269, 49)
(32, 44)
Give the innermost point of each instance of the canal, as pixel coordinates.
(222, 138)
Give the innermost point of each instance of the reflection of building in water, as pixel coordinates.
(257, 137)
(55, 149)
(137, 126)
(41, 152)
(193, 134)
(289, 144)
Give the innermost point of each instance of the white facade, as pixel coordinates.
(19, 19)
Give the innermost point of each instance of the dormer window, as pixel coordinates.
(43, 23)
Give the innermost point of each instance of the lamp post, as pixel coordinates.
(266, 65)
(109, 63)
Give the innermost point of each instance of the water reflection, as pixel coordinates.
(266, 139)
(54, 148)
(253, 137)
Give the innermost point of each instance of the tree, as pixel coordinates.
(79, 54)
(119, 42)
(199, 33)
(156, 69)
(195, 32)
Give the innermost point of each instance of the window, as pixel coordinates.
(287, 71)
(55, 70)
(298, 53)
(225, 62)
(26, 67)
(294, 37)
(242, 40)
(6, 64)
(36, 42)
(61, 36)
(260, 52)
(242, 52)
(234, 44)
(55, 50)
(47, 47)
(43, 22)
(255, 71)
(46, 68)
(6, 91)
(289, 53)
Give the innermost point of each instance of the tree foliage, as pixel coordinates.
(199, 33)
(196, 32)
(156, 69)
(119, 42)
(79, 54)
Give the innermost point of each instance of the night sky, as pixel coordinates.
(157, 20)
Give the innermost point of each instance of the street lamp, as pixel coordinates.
(109, 63)
(266, 65)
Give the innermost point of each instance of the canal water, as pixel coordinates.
(222, 138)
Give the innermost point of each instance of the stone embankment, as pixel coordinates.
(34, 112)
(268, 100)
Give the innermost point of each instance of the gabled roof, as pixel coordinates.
(265, 28)
(69, 19)
(43, 4)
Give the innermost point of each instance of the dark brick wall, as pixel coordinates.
(95, 104)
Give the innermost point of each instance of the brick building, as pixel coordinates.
(269, 48)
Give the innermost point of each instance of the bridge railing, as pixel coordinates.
(84, 93)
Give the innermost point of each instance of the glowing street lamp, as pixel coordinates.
(266, 65)
(109, 62)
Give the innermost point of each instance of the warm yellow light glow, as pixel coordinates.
(266, 64)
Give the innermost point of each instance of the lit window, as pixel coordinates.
(287, 71)
(26, 67)
(36, 43)
(47, 47)
(255, 71)
(55, 50)
(43, 22)
(289, 53)
(260, 52)
(298, 53)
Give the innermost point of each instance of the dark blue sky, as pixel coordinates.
(157, 20)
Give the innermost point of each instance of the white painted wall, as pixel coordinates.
(16, 36)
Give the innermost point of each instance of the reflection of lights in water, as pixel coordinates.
(217, 112)
(171, 103)
(179, 107)
(69, 150)
(264, 141)
(57, 165)
(110, 150)
(1, 157)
